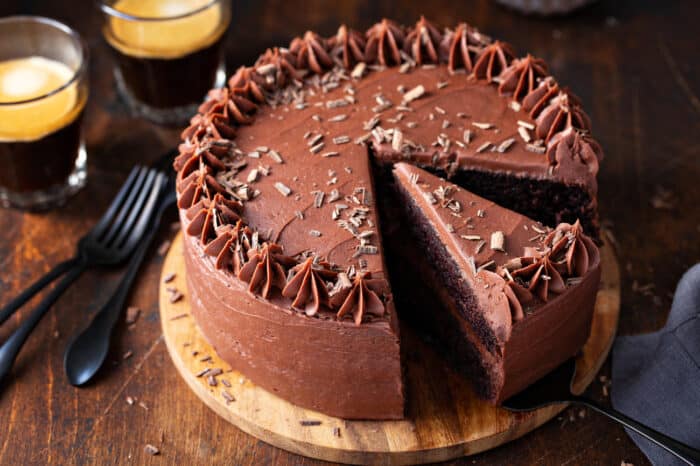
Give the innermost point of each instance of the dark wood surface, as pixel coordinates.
(634, 64)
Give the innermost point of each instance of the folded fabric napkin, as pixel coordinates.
(656, 376)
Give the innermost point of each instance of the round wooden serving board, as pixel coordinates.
(444, 419)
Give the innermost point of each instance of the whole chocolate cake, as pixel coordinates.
(278, 182)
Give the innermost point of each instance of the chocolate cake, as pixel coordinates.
(517, 296)
(278, 179)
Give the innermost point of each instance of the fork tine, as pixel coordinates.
(144, 221)
(125, 226)
(142, 185)
(99, 229)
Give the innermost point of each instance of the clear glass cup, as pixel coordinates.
(43, 92)
(168, 53)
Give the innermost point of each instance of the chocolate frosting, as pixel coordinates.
(347, 46)
(384, 42)
(492, 60)
(462, 47)
(423, 42)
(278, 68)
(563, 112)
(362, 297)
(522, 76)
(308, 286)
(311, 52)
(264, 270)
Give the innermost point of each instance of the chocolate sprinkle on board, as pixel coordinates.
(175, 297)
(179, 316)
(132, 314)
(151, 449)
(169, 277)
(309, 422)
(227, 396)
(164, 247)
(203, 372)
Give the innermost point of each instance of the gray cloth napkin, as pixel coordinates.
(656, 376)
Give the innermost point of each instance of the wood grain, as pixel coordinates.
(633, 63)
(446, 420)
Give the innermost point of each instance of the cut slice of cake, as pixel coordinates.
(517, 296)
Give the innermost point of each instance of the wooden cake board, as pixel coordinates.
(445, 420)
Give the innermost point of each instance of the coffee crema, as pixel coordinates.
(167, 64)
(27, 78)
(39, 139)
(153, 35)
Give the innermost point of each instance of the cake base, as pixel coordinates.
(444, 420)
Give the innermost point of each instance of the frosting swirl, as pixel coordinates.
(568, 247)
(564, 111)
(384, 42)
(223, 107)
(572, 148)
(563, 259)
(277, 67)
(492, 60)
(231, 246)
(310, 52)
(244, 83)
(423, 42)
(307, 286)
(521, 77)
(462, 46)
(539, 97)
(361, 298)
(347, 46)
(264, 270)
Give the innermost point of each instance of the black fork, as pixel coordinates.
(87, 352)
(109, 242)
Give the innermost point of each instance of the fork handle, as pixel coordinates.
(35, 288)
(10, 348)
(686, 453)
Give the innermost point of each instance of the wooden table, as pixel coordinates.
(633, 63)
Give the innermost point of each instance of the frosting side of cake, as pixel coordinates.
(293, 357)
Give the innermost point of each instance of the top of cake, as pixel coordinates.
(287, 205)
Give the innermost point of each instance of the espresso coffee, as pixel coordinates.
(39, 139)
(166, 63)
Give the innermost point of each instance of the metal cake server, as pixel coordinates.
(555, 387)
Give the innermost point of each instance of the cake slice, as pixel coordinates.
(517, 296)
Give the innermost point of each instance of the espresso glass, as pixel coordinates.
(168, 53)
(43, 92)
